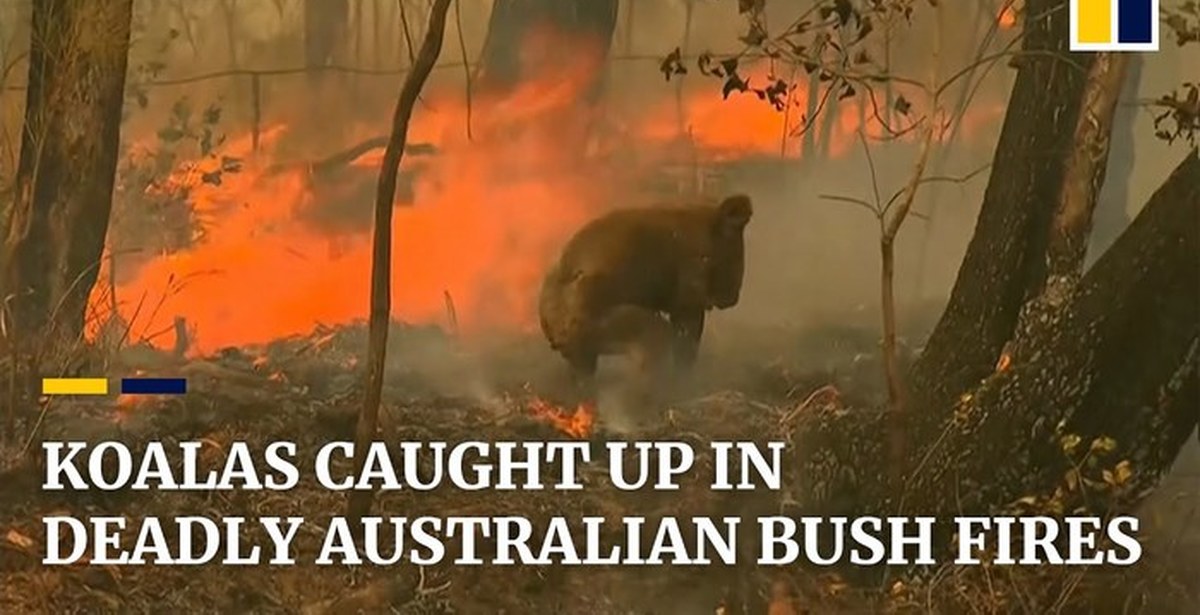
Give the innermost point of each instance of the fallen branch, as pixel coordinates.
(342, 158)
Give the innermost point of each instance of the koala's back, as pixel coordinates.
(638, 243)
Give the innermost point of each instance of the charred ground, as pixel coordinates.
(306, 390)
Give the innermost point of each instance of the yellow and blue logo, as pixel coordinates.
(1114, 25)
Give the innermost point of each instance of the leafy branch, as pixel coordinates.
(828, 41)
(151, 208)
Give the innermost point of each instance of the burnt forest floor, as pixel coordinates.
(308, 389)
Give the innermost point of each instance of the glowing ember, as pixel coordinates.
(1004, 362)
(129, 401)
(1008, 17)
(577, 424)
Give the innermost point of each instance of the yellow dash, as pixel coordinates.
(74, 386)
(1094, 21)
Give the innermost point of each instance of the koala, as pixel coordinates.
(639, 282)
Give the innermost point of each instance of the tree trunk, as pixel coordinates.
(1113, 362)
(229, 12)
(504, 60)
(65, 175)
(1116, 356)
(1119, 360)
(1004, 258)
(1148, 415)
(1111, 212)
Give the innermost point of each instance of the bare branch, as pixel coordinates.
(851, 200)
(871, 165)
(412, 58)
(939, 179)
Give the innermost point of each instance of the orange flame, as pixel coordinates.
(485, 217)
(577, 424)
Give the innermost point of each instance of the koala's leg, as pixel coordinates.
(688, 328)
(582, 361)
(643, 335)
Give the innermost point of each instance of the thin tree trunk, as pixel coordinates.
(325, 24)
(808, 148)
(357, 32)
(689, 8)
(830, 117)
(67, 166)
(377, 33)
(229, 9)
(359, 504)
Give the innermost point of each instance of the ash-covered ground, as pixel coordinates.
(307, 390)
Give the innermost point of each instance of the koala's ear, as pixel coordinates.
(734, 213)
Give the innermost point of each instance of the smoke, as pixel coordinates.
(482, 216)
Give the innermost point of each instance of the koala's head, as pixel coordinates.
(727, 263)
